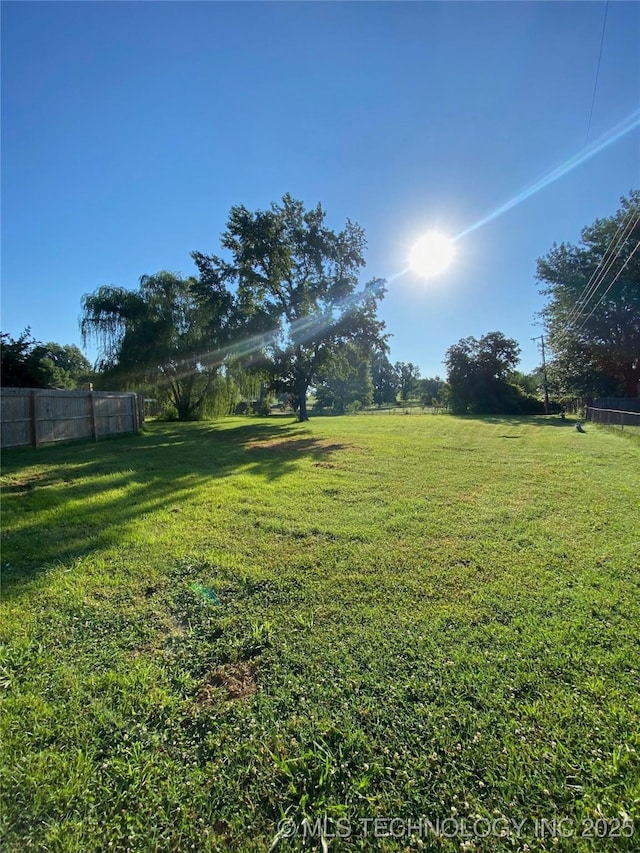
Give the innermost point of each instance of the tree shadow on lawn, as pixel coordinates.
(519, 420)
(51, 510)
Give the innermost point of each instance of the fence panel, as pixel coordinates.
(16, 423)
(615, 418)
(618, 404)
(61, 416)
(114, 414)
(34, 416)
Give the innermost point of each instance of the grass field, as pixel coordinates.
(210, 628)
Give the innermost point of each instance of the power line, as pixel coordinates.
(604, 265)
(595, 85)
(599, 274)
(618, 274)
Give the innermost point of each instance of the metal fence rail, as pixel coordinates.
(614, 418)
(34, 416)
(624, 404)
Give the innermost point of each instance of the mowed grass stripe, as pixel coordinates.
(420, 616)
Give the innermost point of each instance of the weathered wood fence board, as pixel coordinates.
(35, 416)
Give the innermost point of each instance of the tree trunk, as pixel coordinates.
(302, 406)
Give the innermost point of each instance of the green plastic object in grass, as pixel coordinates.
(206, 593)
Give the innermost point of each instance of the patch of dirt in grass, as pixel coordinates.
(297, 445)
(19, 484)
(237, 680)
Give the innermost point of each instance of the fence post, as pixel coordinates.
(92, 416)
(134, 412)
(34, 418)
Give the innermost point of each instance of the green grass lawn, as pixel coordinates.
(209, 628)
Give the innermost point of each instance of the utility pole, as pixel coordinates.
(544, 374)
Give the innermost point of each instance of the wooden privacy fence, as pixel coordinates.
(35, 416)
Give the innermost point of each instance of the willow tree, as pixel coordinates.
(168, 335)
(297, 287)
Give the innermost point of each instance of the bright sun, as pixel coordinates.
(431, 254)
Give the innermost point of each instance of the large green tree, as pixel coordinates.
(168, 336)
(478, 373)
(385, 379)
(296, 283)
(346, 381)
(592, 316)
(69, 367)
(431, 390)
(21, 362)
(408, 376)
(27, 363)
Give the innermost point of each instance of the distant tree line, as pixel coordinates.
(361, 379)
(592, 328)
(27, 363)
(283, 315)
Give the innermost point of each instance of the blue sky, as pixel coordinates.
(130, 129)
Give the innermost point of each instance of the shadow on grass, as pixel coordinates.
(61, 503)
(520, 420)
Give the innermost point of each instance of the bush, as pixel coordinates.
(168, 413)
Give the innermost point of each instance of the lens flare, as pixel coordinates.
(613, 135)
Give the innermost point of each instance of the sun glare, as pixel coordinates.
(431, 254)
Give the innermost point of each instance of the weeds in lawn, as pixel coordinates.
(211, 628)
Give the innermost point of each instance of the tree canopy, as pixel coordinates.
(478, 373)
(408, 376)
(168, 335)
(296, 284)
(345, 384)
(592, 317)
(385, 379)
(431, 390)
(67, 365)
(27, 363)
